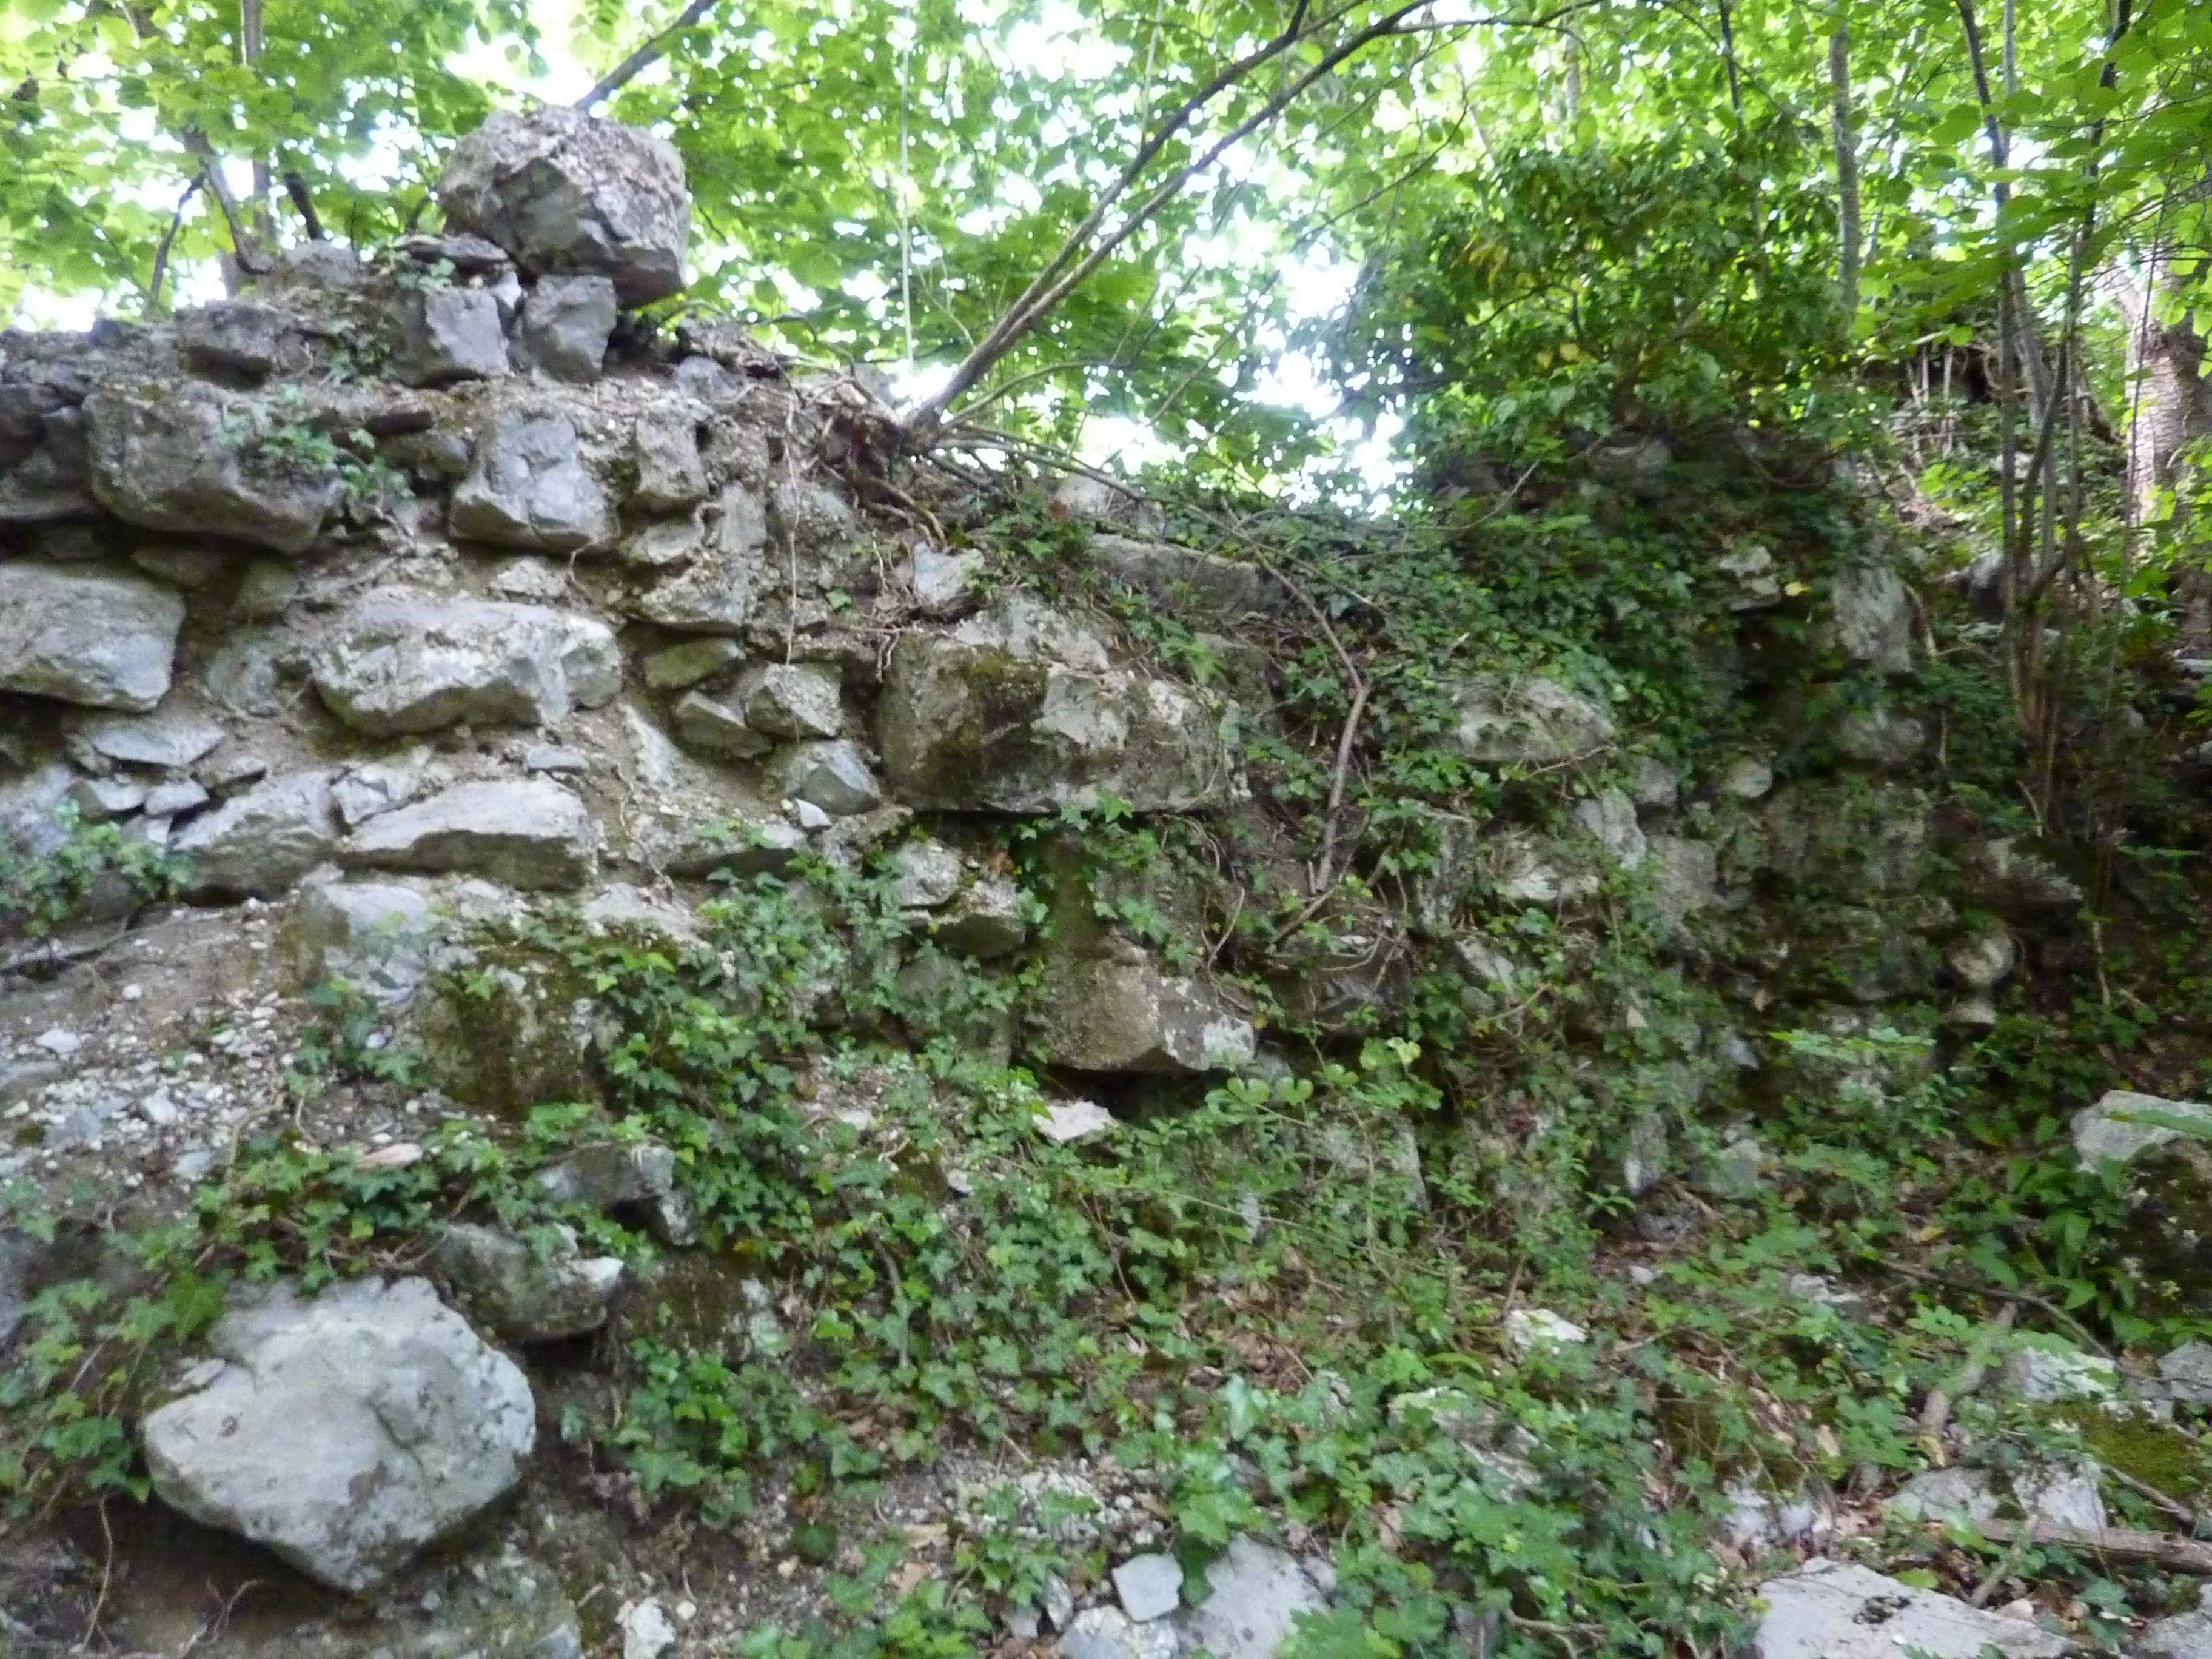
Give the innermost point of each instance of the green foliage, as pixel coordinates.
(43, 882)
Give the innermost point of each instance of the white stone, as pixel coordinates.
(1149, 1586)
(527, 832)
(98, 799)
(1874, 618)
(1107, 1014)
(2185, 1636)
(2115, 1127)
(345, 1433)
(1109, 1634)
(1828, 1610)
(833, 775)
(1257, 1594)
(792, 700)
(171, 739)
(1748, 778)
(59, 1043)
(2047, 1371)
(1533, 721)
(646, 1631)
(1532, 1329)
(377, 786)
(927, 874)
(1610, 816)
(401, 662)
(944, 583)
(261, 841)
(2187, 1372)
(1983, 961)
(1064, 1120)
(97, 639)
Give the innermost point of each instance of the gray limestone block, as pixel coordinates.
(529, 833)
(834, 776)
(183, 456)
(98, 639)
(262, 841)
(525, 1293)
(562, 191)
(671, 474)
(1829, 1610)
(528, 488)
(713, 728)
(448, 335)
(400, 662)
(566, 323)
(242, 337)
(345, 1433)
(791, 699)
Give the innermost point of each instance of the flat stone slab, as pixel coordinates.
(526, 832)
(1827, 1610)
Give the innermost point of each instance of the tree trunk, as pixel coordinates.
(1847, 176)
(2170, 407)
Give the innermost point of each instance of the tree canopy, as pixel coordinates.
(1644, 206)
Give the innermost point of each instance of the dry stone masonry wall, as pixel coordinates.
(407, 592)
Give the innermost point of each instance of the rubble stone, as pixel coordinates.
(345, 1433)
(402, 662)
(528, 833)
(528, 488)
(562, 191)
(98, 639)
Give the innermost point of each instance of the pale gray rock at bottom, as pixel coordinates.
(1257, 1594)
(2184, 1635)
(1829, 1610)
(1110, 1633)
(345, 1433)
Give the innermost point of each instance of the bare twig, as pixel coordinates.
(1069, 264)
(161, 252)
(647, 55)
(295, 186)
(2162, 1549)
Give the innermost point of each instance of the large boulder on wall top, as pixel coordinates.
(344, 1433)
(565, 192)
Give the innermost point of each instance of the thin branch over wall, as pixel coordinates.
(1070, 264)
(645, 57)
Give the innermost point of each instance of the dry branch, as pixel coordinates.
(647, 55)
(2160, 1549)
